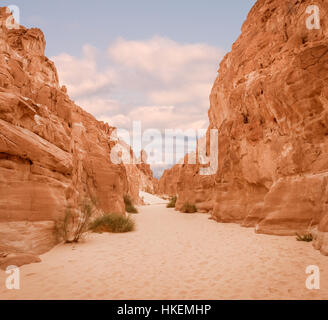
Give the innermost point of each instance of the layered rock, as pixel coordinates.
(185, 181)
(270, 106)
(148, 182)
(53, 154)
(168, 183)
(17, 260)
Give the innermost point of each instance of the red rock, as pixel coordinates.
(269, 103)
(53, 154)
(18, 260)
(168, 183)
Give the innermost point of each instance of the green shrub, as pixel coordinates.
(189, 208)
(172, 202)
(129, 207)
(75, 223)
(112, 223)
(307, 237)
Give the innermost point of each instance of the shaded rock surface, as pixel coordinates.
(270, 106)
(53, 154)
(17, 260)
(168, 182)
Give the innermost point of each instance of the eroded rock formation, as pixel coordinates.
(270, 105)
(168, 183)
(53, 154)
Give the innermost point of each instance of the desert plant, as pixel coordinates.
(129, 207)
(172, 202)
(112, 223)
(75, 223)
(308, 237)
(189, 208)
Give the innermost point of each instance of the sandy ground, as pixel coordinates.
(150, 199)
(174, 256)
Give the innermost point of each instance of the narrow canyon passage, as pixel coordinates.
(174, 256)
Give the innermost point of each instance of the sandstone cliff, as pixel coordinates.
(52, 153)
(168, 183)
(270, 105)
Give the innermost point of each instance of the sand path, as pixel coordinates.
(174, 256)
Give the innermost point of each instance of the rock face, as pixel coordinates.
(270, 106)
(184, 180)
(52, 153)
(17, 260)
(168, 184)
(148, 182)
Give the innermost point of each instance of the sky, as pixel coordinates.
(147, 60)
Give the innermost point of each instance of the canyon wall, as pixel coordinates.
(168, 183)
(53, 154)
(270, 106)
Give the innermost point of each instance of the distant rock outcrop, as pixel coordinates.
(270, 106)
(53, 154)
(168, 183)
(149, 183)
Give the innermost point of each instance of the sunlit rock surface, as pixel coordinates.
(270, 105)
(53, 154)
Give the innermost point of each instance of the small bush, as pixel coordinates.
(189, 208)
(112, 223)
(75, 223)
(129, 207)
(172, 202)
(307, 237)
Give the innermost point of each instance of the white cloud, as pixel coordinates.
(185, 93)
(163, 83)
(99, 105)
(80, 75)
(118, 120)
(154, 74)
(165, 59)
(157, 117)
